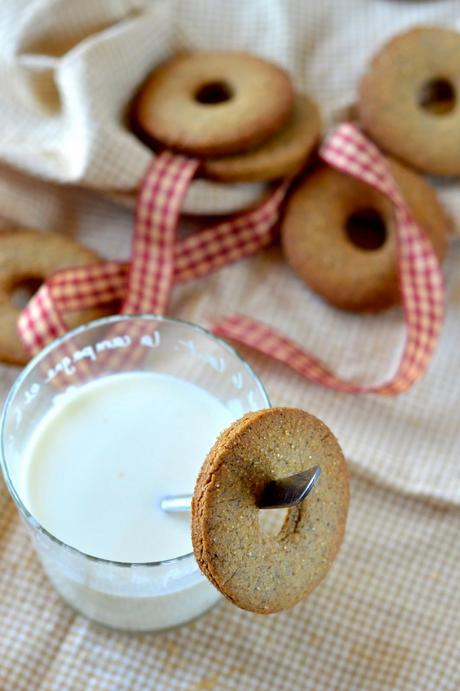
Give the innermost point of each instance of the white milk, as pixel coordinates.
(93, 474)
(99, 463)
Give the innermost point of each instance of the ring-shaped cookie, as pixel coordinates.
(28, 255)
(283, 154)
(339, 235)
(409, 99)
(213, 103)
(260, 572)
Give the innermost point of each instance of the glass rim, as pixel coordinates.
(30, 518)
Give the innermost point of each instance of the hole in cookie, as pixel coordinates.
(437, 96)
(365, 228)
(271, 522)
(214, 92)
(24, 290)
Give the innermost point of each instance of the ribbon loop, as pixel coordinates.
(159, 260)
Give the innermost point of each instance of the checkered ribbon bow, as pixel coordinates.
(159, 260)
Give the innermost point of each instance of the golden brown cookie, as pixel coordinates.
(28, 256)
(339, 235)
(283, 154)
(409, 99)
(213, 103)
(260, 572)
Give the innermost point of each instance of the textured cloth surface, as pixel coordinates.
(387, 615)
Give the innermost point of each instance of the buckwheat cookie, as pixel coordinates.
(27, 257)
(260, 572)
(339, 235)
(283, 154)
(409, 99)
(213, 103)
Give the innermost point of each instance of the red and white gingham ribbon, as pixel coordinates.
(151, 271)
(420, 278)
(96, 285)
(159, 260)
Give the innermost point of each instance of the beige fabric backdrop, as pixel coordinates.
(388, 615)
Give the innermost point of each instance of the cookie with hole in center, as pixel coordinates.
(339, 235)
(213, 103)
(260, 572)
(27, 258)
(283, 154)
(409, 99)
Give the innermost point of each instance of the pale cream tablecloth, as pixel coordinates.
(388, 615)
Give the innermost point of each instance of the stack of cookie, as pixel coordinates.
(338, 234)
(238, 113)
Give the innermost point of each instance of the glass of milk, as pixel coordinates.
(97, 429)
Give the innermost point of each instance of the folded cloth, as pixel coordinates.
(69, 70)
